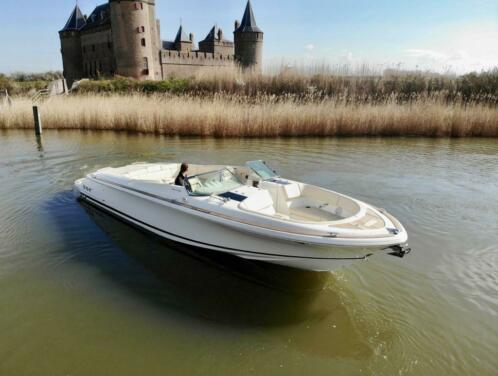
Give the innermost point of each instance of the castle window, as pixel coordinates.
(146, 66)
(143, 42)
(139, 6)
(141, 29)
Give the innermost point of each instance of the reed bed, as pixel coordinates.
(224, 115)
(355, 85)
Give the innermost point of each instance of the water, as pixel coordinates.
(84, 294)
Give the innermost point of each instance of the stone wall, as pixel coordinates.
(135, 39)
(71, 56)
(249, 49)
(217, 47)
(98, 53)
(183, 63)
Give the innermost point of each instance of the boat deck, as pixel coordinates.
(310, 214)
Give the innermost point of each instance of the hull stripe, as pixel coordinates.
(200, 244)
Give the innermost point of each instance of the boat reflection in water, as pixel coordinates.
(213, 285)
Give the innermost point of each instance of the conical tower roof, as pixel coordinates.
(213, 34)
(248, 24)
(181, 36)
(76, 21)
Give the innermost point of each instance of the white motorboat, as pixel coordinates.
(247, 211)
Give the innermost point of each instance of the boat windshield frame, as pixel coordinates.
(188, 185)
(253, 165)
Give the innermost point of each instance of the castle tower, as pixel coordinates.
(183, 42)
(72, 58)
(135, 38)
(215, 43)
(249, 41)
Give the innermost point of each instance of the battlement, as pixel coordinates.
(194, 57)
(177, 63)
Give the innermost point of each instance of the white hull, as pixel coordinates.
(176, 220)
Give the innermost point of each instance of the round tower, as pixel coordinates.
(135, 38)
(248, 38)
(72, 57)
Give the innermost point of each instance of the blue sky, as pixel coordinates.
(456, 35)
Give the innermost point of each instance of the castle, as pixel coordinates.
(123, 37)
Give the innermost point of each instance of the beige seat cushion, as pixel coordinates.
(292, 191)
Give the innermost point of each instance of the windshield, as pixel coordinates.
(212, 183)
(263, 171)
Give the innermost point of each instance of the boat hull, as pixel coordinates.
(175, 223)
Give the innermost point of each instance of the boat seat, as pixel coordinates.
(292, 191)
(156, 173)
(259, 203)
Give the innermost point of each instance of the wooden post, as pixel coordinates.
(38, 122)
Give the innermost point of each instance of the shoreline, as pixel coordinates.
(232, 116)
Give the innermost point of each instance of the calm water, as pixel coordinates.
(83, 294)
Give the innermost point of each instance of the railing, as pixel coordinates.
(40, 96)
(55, 88)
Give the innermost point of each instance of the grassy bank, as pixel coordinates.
(224, 115)
(26, 84)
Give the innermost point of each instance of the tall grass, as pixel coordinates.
(262, 115)
(321, 83)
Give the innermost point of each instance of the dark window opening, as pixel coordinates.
(145, 66)
(143, 42)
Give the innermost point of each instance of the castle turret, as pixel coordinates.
(72, 58)
(249, 41)
(135, 37)
(216, 43)
(183, 42)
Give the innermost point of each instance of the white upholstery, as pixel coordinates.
(292, 191)
(155, 168)
(160, 173)
(260, 203)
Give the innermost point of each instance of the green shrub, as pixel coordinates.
(126, 85)
(5, 84)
